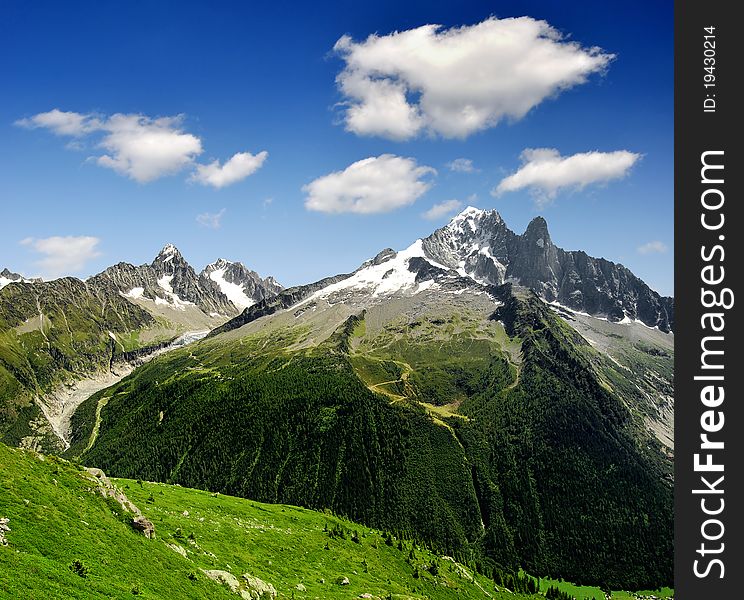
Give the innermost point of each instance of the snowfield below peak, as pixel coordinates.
(234, 292)
(386, 278)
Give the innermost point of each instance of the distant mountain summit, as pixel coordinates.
(474, 249)
(222, 289)
(239, 284)
(56, 333)
(7, 276)
(478, 244)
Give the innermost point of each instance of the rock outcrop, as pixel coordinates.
(477, 243)
(108, 490)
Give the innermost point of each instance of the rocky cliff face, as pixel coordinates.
(241, 285)
(223, 288)
(7, 276)
(478, 244)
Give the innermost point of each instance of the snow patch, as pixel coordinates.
(135, 293)
(384, 279)
(165, 283)
(233, 291)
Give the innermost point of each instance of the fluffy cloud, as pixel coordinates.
(145, 148)
(211, 220)
(373, 185)
(63, 255)
(454, 82)
(61, 123)
(654, 247)
(461, 165)
(545, 172)
(240, 166)
(442, 209)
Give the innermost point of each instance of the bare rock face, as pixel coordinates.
(249, 588)
(243, 286)
(477, 243)
(169, 280)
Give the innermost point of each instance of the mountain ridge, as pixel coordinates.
(477, 246)
(478, 243)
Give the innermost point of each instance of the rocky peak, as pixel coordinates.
(381, 257)
(7, 276)
(240, 284)
(169, 259)
(478, 244)
(537, 233)
(220, 263)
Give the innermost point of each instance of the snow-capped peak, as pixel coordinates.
(7, 277)
(220, 263)
(169, 254)
(386, 278)
(235, 292)
(469, 211)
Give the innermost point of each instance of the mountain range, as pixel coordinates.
(488, 394)
(55, 334)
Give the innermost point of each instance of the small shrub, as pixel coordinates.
(79, 568)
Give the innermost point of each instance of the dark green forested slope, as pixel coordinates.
(536, 464)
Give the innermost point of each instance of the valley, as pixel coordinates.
(477, 395)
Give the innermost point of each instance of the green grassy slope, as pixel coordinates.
(56, 519)
(496, 442)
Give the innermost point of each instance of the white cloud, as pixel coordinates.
(461, 165)
(144, 148)
(545, 172)
(654, 247)
(441, 209)
(240, 166)
(63, 255)
(454, 82)
(373, 185)
(211, 220)
(61, 122)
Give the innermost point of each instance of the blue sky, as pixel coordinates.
(262, 77)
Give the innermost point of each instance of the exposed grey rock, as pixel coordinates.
(258, 589)
(479, 244)
(144, 525)
(252, 285)
(7, 276)
(108, 490)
